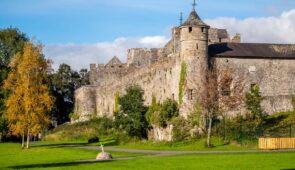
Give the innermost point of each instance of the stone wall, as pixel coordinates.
(275, 77)
(159, 79)
(85, 105)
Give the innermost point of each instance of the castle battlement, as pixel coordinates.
(197, 45)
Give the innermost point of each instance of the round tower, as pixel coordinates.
(194, 53)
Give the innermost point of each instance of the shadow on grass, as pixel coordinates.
(53, 165)
(58, 144)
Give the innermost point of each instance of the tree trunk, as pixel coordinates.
(209, 131)
(23, 140)
(28, 139)
(0, 137)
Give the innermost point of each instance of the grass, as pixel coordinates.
(51, 156)
(200, 144)
(11, 155)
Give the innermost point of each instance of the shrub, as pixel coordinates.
(180, 129)
(131, 116)
(161, 114)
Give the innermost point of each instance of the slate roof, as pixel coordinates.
(194, 20)
(252, 50)
(114, 61)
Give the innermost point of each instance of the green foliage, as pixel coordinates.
(169, 109)
(154, 107)
(131, 116)
(195, 116)
(63, 85)
(82, 130)
(181, 82)
(180, 129)
(161, 114)
(11, 42)
(293, 102)
(116, 102)
(74, 116)
(253, 102)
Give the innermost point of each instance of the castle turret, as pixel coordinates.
(194, 53)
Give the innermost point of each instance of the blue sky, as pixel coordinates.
(80, 32)
(89, 21)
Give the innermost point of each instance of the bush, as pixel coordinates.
(93, 140)
(180, 129)
(82, 130)
(131, 117)
(161, 114)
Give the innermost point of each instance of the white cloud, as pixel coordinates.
(279, 29)
(81, 55)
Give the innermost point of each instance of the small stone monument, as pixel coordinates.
(103, 155)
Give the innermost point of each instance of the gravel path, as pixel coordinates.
(160, 153)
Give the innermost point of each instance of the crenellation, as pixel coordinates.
(157, 70)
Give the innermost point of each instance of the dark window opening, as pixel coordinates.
(190, 94)
(225, 88)
(203, 29)
(220, 40)
(190, 29)
(197, 46)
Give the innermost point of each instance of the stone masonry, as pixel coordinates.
(157, 70)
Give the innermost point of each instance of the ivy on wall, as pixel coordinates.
(116, 102)
(181, 82)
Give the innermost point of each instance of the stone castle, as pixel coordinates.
(157, 70)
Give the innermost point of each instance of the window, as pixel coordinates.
(190, 29)
(225, 87)
(203, 29)
(220, 40)
(190, 94)
(197, 46)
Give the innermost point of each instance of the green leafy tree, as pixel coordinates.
(11, 42)
(253, 102)
(169, 109)
(63, 85)
(131, 116)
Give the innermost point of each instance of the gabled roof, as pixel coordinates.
(194, 20)
(252, 50)
(114, 61)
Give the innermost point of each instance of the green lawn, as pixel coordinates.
(54, 157)
(217, 143)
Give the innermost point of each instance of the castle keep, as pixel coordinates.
(195, 44)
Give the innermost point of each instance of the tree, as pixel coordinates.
(29, 100)
(222, 94)
(63, 84)
(253, 105)
(253, 101)
(131, 116)
(3, 95)
(11, 42)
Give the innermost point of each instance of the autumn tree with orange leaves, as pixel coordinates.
(29, 101)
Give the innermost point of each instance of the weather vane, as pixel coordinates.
(194, 4)
(180, 18)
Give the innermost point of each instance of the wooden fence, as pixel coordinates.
(276, 143)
